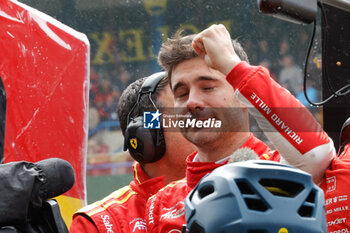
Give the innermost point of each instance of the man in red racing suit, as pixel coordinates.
(123, 210)
(337, 196)
(288, 125)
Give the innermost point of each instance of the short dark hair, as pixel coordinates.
(129, 98)
(179, 48)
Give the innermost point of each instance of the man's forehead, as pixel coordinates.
(196, 79)
(192, 70)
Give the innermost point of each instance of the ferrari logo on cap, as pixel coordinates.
(133, 143)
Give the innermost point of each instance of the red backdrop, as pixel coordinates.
(44, 66)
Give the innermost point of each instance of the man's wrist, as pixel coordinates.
(230, 66)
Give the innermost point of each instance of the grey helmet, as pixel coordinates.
(256, 197)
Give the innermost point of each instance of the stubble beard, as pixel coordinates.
(202, 138)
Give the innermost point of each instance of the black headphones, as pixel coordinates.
(145, 145)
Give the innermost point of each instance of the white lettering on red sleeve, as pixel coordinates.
(150, 215)
(261, 103)
(337, 221)
(108, 225)
(344, 230)
(279, 123)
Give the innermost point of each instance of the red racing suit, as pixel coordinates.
(166, 210)
(285, 121)
(122, 211)
(337, 194)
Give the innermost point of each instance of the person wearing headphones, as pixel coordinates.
(256, 196)
(159, 158)
(211, 79)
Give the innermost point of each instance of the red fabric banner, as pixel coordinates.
(44, 66)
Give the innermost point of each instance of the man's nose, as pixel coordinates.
(194, 102)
